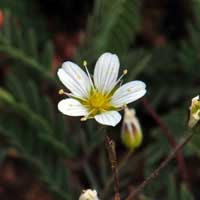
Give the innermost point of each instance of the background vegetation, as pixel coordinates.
(45, 155)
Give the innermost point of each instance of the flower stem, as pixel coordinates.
(169, 136)
(156, 172)
(110, 145)
(120, 166)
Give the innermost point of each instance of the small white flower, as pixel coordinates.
(194, 112)
(131, 133)
(101, 97)
(89, 195)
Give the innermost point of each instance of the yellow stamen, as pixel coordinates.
(125, 71)
(83, 119)
(97, 103)
(120, 78)
(61, 91)
(125, 106)
(85, 63)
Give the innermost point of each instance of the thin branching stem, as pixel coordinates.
(156, 172)
(169, 136)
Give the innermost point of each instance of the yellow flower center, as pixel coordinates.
(97, 102)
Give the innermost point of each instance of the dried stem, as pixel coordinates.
(156, 172)
(172, 141)
(110, 145)
(120, 166)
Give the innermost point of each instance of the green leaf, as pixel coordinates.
(32, 44)
(16, 88)
(6, 96)
(47, 56)
(6, 31)
(33, 97)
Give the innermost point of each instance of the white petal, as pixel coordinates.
(72, 107)
(110, 118)
(128, 93)
(106, 72)
(75, 79)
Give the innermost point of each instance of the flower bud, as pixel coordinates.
(89, 195)
(194, 112)
(131, 133)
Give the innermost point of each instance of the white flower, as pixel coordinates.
(89, 195)
(100, 98)
(194, 112)
(131, 133)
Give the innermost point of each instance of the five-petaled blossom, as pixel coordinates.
(100, 96)
(89, 195)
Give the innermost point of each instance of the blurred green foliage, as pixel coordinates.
(67, 158)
